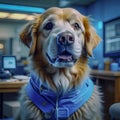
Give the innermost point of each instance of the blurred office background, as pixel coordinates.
(14, 14)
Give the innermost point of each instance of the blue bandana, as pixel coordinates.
(58, 107)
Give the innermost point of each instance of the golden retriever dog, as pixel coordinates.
(60, 41)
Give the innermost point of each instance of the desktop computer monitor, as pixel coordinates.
(8, 62)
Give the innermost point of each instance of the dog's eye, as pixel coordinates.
(48, 26)
(76, 26)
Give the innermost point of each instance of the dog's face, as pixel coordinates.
(61, 36)
(64, 35)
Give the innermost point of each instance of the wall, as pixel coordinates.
(9, 31)
(104, 9)
(111, 9)
(81, 9)
(101, 11)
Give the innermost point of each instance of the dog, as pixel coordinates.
(60, 41)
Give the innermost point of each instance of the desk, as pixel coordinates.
(9, 87)
(110, 86)
(109, 75)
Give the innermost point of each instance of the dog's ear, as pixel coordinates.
(28, 37)
(91, 37)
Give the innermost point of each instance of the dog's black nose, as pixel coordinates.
(65, 38)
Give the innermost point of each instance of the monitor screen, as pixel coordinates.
(112, 38)
(8, 62)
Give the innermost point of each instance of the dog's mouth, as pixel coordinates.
(65, 57)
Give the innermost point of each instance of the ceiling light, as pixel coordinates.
(64, 3)
(4, 14)
(1, 46)
(30, 17)
(17, 16)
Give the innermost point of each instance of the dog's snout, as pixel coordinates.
(65, 38)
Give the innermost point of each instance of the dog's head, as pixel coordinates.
(60, 36)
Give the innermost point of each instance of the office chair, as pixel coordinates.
(114, 111)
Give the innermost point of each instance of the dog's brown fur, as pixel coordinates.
(34, 37)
